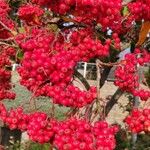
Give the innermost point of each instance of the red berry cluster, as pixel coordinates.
(126, 74)
(4, 33)
(42, 2)
(71, 96)
(15, 118)
(107, 13)
(5, 74)
(105, 135)
(139, 120)
(10, 52)
(86, 47)
(103, 11)
(49, 64)
(74, 134)
(30, 13)
(36, 65)
(5, 85)
(4, 7)
(140, 9)
(4, 10)
(71, 134)
(40, 128)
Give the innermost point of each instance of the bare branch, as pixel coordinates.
(109, 64)
(6, 44)
(113, 101)
(98, 78)
(5, 26)
(82, 79)
(8, 29)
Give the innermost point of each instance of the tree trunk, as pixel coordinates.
(8, 135)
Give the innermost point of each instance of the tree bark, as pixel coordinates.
(6, 135)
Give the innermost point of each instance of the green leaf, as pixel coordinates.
(20, 54)
(125, 11)
(21, 30)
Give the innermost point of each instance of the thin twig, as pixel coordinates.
(55, 39)
(8, 39)
(126, 17)
(98, 66)
(3, 43)
(98, 78)
(6, 27)
(108, 64)
(52, 109)
(32, 98)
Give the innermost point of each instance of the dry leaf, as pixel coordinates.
(143, 33)
(66, 19)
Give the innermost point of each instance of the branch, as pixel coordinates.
(88, 111)
(8, 29)
(3, 43)
(107, 68)
(98, 78)
(5, 26)
(104, 75)
(82, 79)
(113, 101)
(109, 64)
(9, 39)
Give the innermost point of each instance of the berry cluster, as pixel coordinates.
(4, 7)
(10, 52)
(107, 13)
(69, 134)
(105, 135)
(4, 33)
(49, 64)
(37, 126)
(30, 13)
(36, 65)
(49, 60)
(126, 74)
(4, 10)
(71, 96)
(139, 120)
(86, 47)
(104, 12)
(15, 118)
(5, 74)
(42, 2)
(40, 128)
(140, 9)
(74, 134)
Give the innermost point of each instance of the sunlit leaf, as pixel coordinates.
(125, 11)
